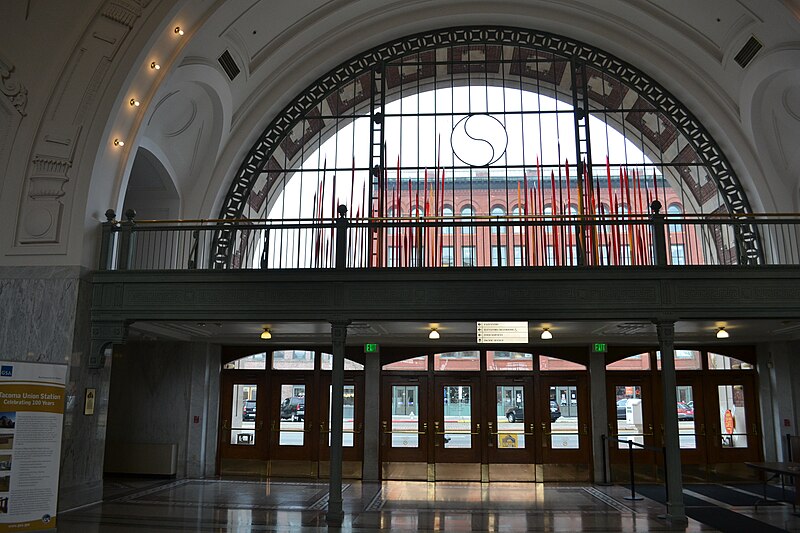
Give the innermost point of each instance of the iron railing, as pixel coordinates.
(424, 242)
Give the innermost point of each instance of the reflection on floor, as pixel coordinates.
(132, 505)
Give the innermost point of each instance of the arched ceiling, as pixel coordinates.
(280, 48)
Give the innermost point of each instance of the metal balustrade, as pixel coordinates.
(509, 241)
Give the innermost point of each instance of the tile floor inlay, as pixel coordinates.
(221, 505)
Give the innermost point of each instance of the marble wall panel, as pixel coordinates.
(157, 388)
(44, 317)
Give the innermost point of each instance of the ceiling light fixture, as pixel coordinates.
(722, 334)
(155, 66)
(434, 334)
(178, 30)
(134, 102)
(117, 142)
(266, 334)
(546, 335)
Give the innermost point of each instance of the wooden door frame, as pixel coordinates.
(748, 378)
(309, 450)
(420, 454)
(226, 450)
(644, 379)
(582, 455)
(439, 452)
(355, 452)
(494, 453)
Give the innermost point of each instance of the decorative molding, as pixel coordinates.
(655, 295)
(13, 88)
(70, 107)
(123, 11)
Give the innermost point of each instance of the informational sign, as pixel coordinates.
(502, 332)
(371, 348)
(31, 418)
(88, 402)
(599, 347)
(508, 440)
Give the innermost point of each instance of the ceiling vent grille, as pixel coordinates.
(748, 51)
(228, 65)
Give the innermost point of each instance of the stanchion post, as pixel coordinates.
(633, 495)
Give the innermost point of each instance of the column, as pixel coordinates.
(599, 413)
(372, 396)
(335, 514)
(676, 511)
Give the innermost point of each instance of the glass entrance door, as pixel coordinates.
(404, 428)
(510, 424)
(352, 425)
(243, 442)
(691, 419)
(564, 422)
(457, 431)
(293, 444)
(731, 414)
(630, 417)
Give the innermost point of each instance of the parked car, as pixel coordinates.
(293, 408)
(685, 411)
(249, 410)
(517, 414)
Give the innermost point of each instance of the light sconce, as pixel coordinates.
(134, 102)
(546, 335)
(722, 333)
(118, 142)
(434, 334)
(266, 334)
(178, 30)
(155, 66)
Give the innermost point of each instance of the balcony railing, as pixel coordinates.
(425, 242)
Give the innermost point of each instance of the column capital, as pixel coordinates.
(339, 330)
(665, 330)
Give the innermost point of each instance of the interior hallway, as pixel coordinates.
(287, 505)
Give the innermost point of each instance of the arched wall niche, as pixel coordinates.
(151, 190)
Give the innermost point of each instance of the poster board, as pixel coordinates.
(31, 421)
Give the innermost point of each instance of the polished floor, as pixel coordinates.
(132, 505)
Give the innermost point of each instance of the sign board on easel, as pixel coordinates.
(31, 419)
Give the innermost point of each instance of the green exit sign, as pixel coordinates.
(600, 347)
(371, 348)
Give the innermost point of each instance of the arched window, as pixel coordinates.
(500, 213)
(675, 210)
(467, 212)
(517, 212)
(481, 157)
(447, 212)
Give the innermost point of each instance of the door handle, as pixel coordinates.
(225, 425)
(260, 425)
